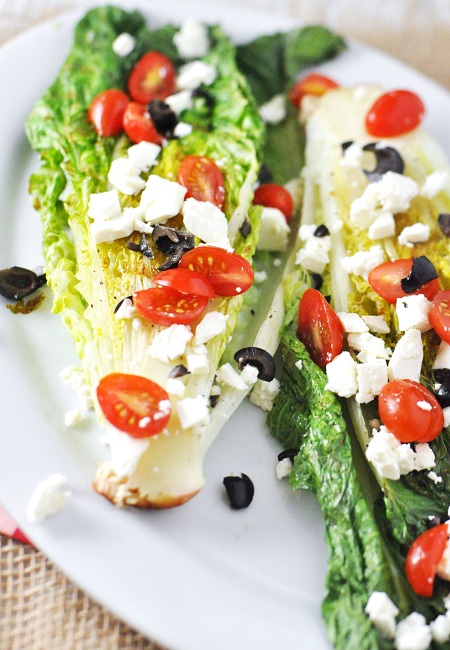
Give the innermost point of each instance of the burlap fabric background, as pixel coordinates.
(39, 608)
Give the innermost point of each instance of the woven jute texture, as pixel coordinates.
(40, 609)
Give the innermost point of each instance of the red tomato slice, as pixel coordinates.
(423, 558)
(138, 125)
(134, 404)
(394, 113)
(106, 112)
(185, 281)
(385, 279)
(410, 411)
(313, 84)
(165, 306)
(203, 179)
(153, 77)
(274, 196)
(229, 273)
(439, 315)
(319, 328)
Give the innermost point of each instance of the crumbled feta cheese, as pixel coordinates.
(104, 206)
(205, 220)
(440, 628)
(376, 324)
(274, 111)
(73, 377)
(226, 374)
(192, 40)
(182, 130)
(48, 498)
(126, 310)
(368, 343)
(383, 226)
(443, 356)
(392, 459)
(314, 254)
(197, 359)
(124, 176)
(175, 386)
(362, 262)
(144, 155)
(407, 357)
(352, 322)
(161, 199)
(194, 74)
(126, 451)
(299, 364)
(73, 417)
(170, 343)
(274, 230)
(193, 411)
(425, 458)
(382, 612)
(414, 234)
(446, 412)
(181, 101)
(434, 477)
(123, 44)
(283, 468)
(372, 376)
(212, 324)
(341, 375)
(352, 156)
(264, 393)
(413, 633)
(412, 312)
(434, 183)
(306, 231)
(111, 229)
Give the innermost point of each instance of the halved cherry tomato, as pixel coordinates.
(319, 328)
(185, 281)
(394, 113)
(203, 179)
(106, 112)
(410, 411)
(313, 84)
(134, 404)
(385, 279)
(423, 559)
(274, 196)
(439, 315)
(165, 306)
(229, 273)
(153, 77)
(138, 124)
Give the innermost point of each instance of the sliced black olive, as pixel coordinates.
(143, 246)
(173, 243)
(213, 399)
(387, 159)
(17, 283)
(260, 359)
(202, 93)
(435, 520)
(119, 304)
(321, 231)
(444, 223)
(288, 453)
(317, 280)
(133, 246)
(178, 371)
(345, 145)
(246, 228)
(442, 377)
(164, 118)
(422, 271)
(240, 491)
(264, 174)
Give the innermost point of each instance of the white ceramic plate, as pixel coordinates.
(197, 577)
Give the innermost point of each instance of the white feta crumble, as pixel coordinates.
(48, 498)
(181, 101)
(372, 376)
(382, 227)
(182, 129)
(161, 199)
(170, 343)
(274, 230)
(369, 343)
(193, 411)
(314, 255)
(410, 235)
(446, 412)
(205, 220)
(73, 377)
(442, 359)
(434, 183)
(392, 459)
(197, 359)
(434, 477)
(425, 406)
(283, 468)
(413, 633)
(264, 393)
(126, 310)
(104, 206)
(382, 612)
(143, 155)
(212, 324)
(123, 44)
(352, 322)
(175, 387)
(407, 357)
(412, 312)
(73, 417)
(226, 374)
(352, 156)
(425, 458)
(125, 450)
(362, 262)
(192, 40)
(377, 324)
(299, 364)
(440, 628)
(274, 111)
(194, 74)
(108, 231)
(341, 375)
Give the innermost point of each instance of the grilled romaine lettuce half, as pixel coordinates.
(89, 280)
(370, 520)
